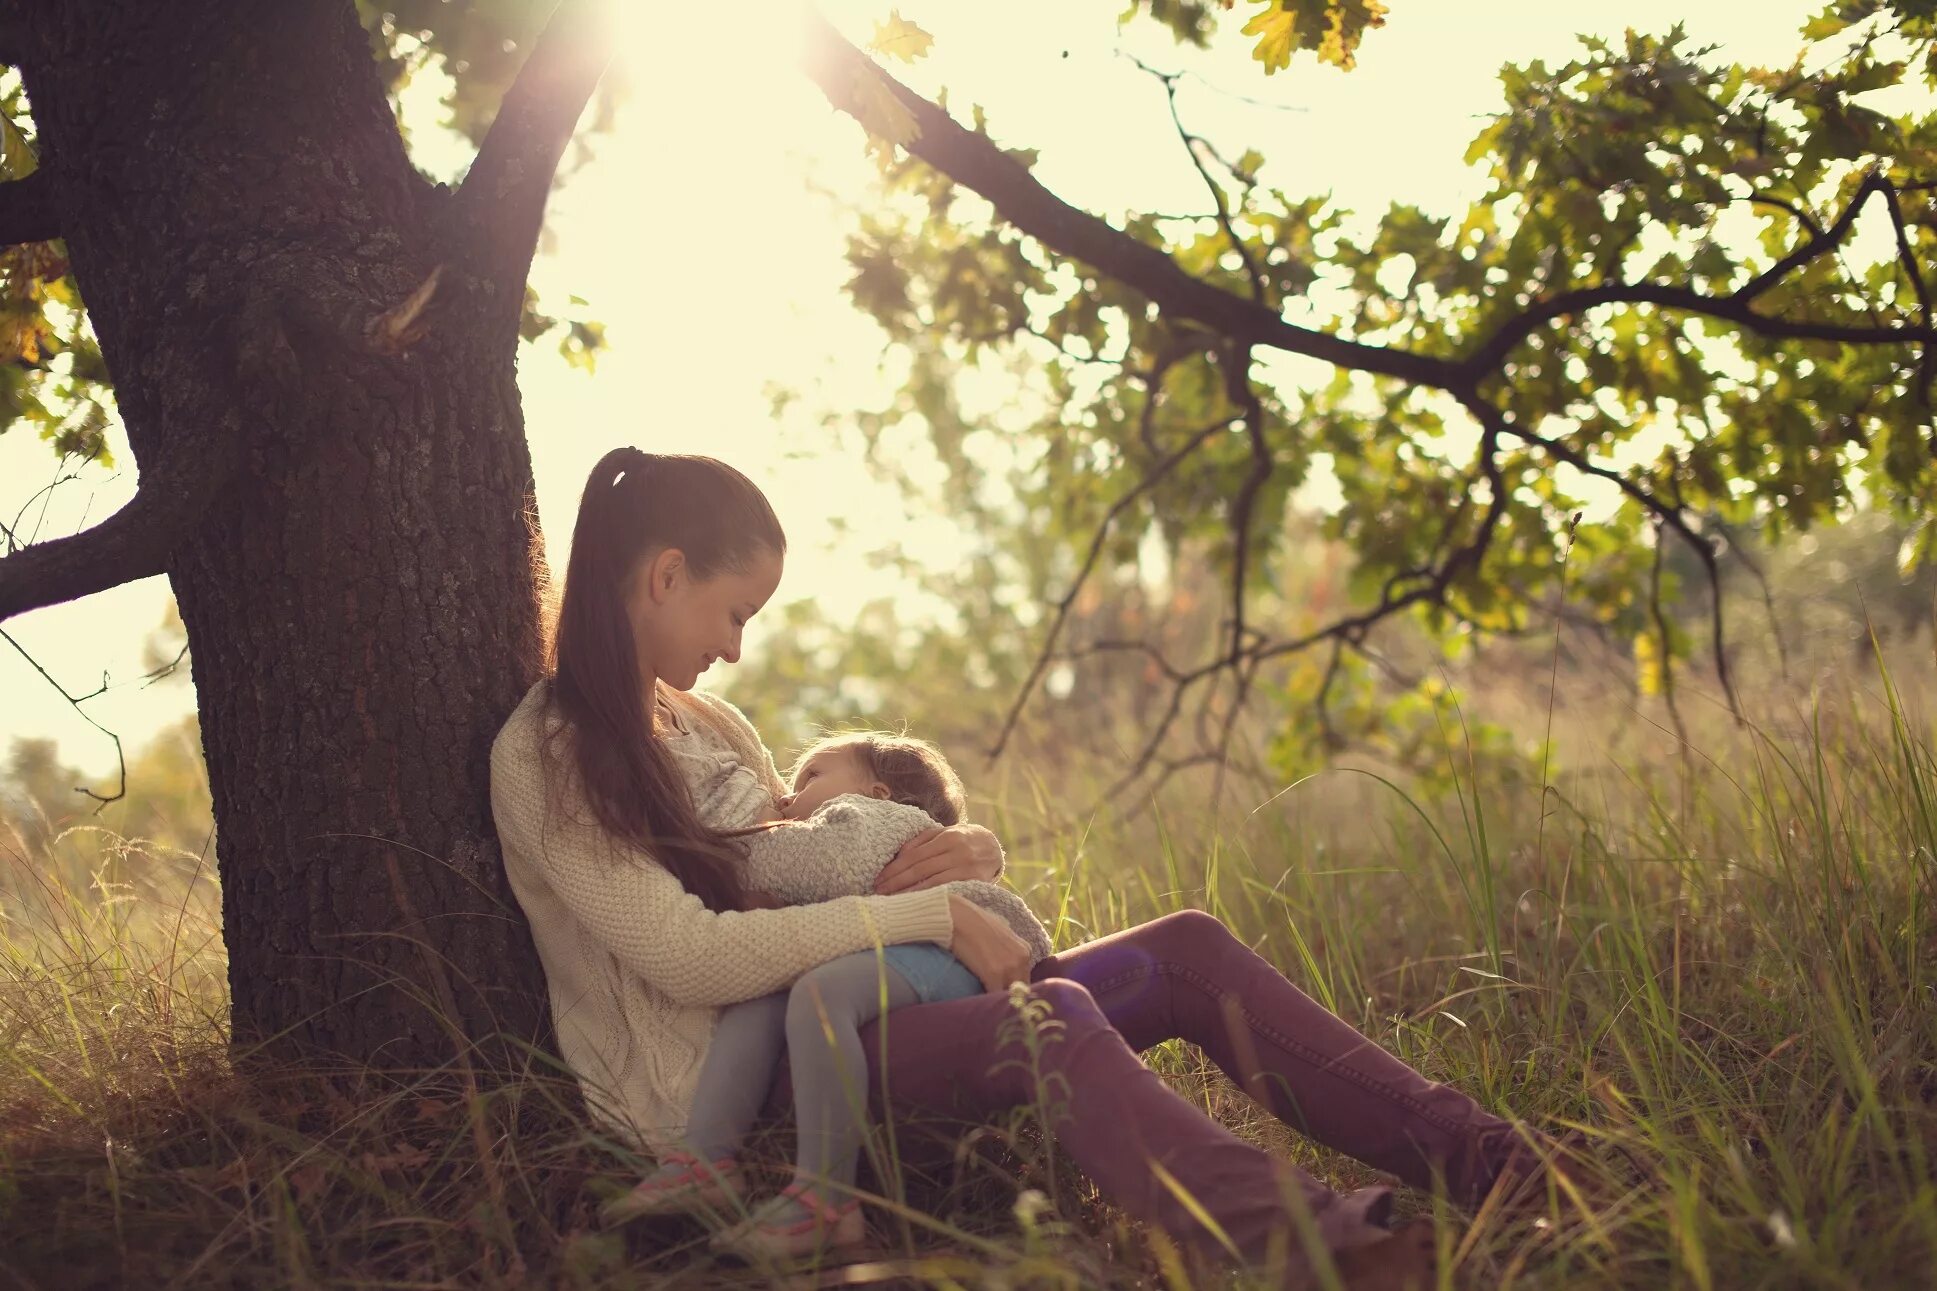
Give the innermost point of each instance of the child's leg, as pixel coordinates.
(735, 1077)
(826, 1010)
(734, 1081)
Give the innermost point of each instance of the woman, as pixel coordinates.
(603, 783)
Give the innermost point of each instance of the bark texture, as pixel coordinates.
(359, 589)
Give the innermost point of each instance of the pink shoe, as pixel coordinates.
(825, 1227)
(695, 1188)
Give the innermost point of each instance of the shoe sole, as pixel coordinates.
(828, 1242)
(696, 1203)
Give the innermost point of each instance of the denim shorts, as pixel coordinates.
(932, 972)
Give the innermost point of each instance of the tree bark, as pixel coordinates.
(359, 592)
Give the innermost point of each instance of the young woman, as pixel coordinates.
(602, 781)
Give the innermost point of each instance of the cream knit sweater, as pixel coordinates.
(636, 967)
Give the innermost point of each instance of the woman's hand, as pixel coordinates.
(987, 946)
(937, 856)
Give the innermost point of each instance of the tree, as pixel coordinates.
(312, 349)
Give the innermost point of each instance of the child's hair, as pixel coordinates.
(914, 770)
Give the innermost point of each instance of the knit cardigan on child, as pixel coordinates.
(637, 967)
(840, 849)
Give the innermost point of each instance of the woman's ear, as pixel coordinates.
(665, 572)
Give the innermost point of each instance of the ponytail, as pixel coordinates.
(637, 503)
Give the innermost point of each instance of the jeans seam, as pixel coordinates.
(1285, 1043)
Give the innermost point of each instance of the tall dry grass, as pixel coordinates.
(1713, 958)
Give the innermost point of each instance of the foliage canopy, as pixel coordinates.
(1657, 315)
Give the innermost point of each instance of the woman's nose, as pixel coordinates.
(732, 652)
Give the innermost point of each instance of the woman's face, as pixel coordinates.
(681, 624)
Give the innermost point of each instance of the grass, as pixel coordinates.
(1715, 960)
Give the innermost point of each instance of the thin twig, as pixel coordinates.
(1151, 479)
(120, 761)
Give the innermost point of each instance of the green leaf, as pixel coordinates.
(17, 160)
(1825, 24)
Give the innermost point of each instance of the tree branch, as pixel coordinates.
(1733, 308)
(1660, 618)
(1122, 504)
(1820, 243)
(1238, 387)
(120, 757)
(974, 161)
(1801, 216)
(135, 542)
(500, 206)
(27, 210)
(1669, 514)
(1191, 144)
(1494, 350)
(1347, 631)
(1927, 364)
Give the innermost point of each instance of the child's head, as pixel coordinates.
(894, 767)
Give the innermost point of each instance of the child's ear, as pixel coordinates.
(879, 790)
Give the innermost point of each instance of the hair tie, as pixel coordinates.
(631, 461)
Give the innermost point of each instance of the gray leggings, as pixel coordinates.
(819, 1020)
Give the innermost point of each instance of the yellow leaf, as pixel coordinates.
(899, 38)
(17, 160)
(1333, 49)
(1275, 29)
(886, 118)
(1647, 664)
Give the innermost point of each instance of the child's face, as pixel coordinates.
(828, 774)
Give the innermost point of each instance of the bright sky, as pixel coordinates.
(696, 235)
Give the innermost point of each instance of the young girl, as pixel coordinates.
(856, 799)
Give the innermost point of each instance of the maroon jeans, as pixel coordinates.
(1185, 977)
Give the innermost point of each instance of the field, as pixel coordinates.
(1715, 958)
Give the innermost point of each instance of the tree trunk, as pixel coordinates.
(359, 596)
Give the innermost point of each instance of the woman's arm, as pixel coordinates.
(569, 869)
(988, 947)
(836, 852)
(939, 856)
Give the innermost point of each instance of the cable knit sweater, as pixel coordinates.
(840, 849)
(636, 967)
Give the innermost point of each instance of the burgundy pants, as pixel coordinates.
(1185, 977)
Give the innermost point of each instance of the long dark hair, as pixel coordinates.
(637, 503)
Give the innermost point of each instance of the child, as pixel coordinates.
(857, 798)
